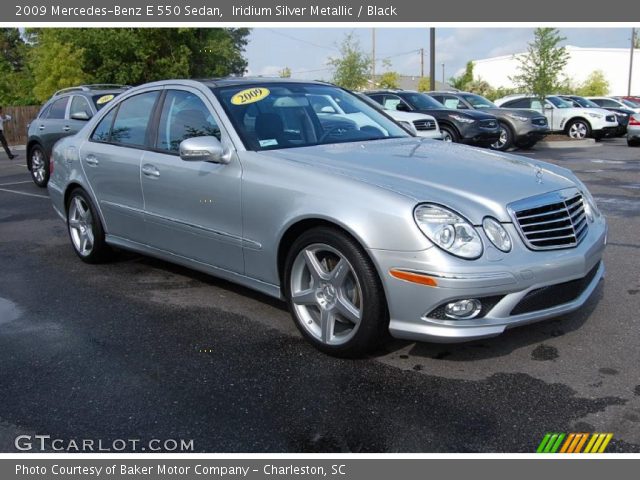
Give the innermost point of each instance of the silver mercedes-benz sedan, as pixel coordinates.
(362, 228)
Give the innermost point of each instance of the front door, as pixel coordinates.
(192, 209)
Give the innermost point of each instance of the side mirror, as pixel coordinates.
(80, 116)
(402, 107)
(203, 149)
(462, 106)
(327, 109)
(548, 107)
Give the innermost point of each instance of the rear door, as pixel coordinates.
(111, 162)
(51, 128)
(192, 209)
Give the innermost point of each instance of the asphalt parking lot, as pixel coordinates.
(139, 348)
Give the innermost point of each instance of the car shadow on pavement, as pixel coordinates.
(510, 340)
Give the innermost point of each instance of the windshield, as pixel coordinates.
(272, 116)
(629, 103)
(420, 101)
(584, 102)
(477, 101)
(559, 103)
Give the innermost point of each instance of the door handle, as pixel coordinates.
(150, 170)
(41, 127)
(66, 128)
(91, 160)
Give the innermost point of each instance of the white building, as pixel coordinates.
(613, 62)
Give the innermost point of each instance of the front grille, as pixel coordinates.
(551, 221)
(539, 121)
(488, 124)
(610, 118)
(423, 125)
(554, 295)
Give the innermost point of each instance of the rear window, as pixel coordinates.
(103, 99)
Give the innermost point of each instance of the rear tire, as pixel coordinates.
(39, 166)
(85, 229)
(334, 293)
(633, 143)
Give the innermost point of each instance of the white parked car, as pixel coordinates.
(562, 116)
(609, 102)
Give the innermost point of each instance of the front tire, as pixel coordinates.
(633, 143)
(449, 134)
(85, 229)
(579, 129)
(505, 142)
(39, 166)
(334, 293)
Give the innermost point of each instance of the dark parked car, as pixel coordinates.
(622, 114)
(520, 128)
(66, 112)
(471, 127)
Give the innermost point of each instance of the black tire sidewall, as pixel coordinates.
(451, 131)
(509, 143)
(374, 325)
(101, 250)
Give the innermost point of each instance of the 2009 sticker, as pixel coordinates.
(104, 99)
(250, 95)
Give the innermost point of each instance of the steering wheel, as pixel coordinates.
(324, 136)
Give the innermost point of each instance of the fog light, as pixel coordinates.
(463, 309)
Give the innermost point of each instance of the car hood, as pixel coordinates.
(521, 112)
(475, 114)
(408, 116)
(472, 181)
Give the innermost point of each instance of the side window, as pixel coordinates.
(103, 130)
(520, 103)
(80, 105)
(439, 98)
(609, 103)
(391, 102)
(377, 98)
(132, 120)
(58, 109)
(537, 104)
(451, 102)
(183, 116)
(45, 112)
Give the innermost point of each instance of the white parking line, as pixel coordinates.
(23, 193)
(15, 183)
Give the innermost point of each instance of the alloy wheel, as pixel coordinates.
(81, 226)
(326, 294)
(578, 130)
(499, 145)
(38, 165)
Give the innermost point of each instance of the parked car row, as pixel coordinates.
(317, 198)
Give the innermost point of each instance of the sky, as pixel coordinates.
(306, 50)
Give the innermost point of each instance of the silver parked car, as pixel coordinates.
(362, 228)
(633, 130)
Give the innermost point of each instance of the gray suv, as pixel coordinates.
(66, 112)
(519, 128)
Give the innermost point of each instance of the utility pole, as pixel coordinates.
(443, 74)
(432, 59)
(633, 46)
(373, 58)
(422, 63)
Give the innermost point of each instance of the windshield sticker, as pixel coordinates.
(104, 99)
(268, 143)
(250, 95)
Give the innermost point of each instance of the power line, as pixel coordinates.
(291, 37)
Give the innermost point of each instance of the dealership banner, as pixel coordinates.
(350, 11)
(316, 468)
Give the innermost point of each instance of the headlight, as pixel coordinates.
(590, 207)
(623, 115)
(497, 234)
(448, 230)
(517, 117)
(462, 119)
(595, 115)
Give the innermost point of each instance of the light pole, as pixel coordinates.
(373, 58)
(633, 46)
(432, 59)
(443, 74)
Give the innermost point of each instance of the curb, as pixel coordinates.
(586, 143)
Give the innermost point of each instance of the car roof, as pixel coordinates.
(92, 89)
(233, 81)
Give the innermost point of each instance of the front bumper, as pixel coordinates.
(506, 278)
(481, 137)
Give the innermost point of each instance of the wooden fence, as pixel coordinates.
(15, 130)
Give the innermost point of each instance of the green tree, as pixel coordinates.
(285, 73)
(480, 87)
(138, 55)
(463, 81)
(56, 65)
(389, 80)
(16, 81)
(352, 69)
(540, 69)
(424, 84)
(595, 85)
(636, 39)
